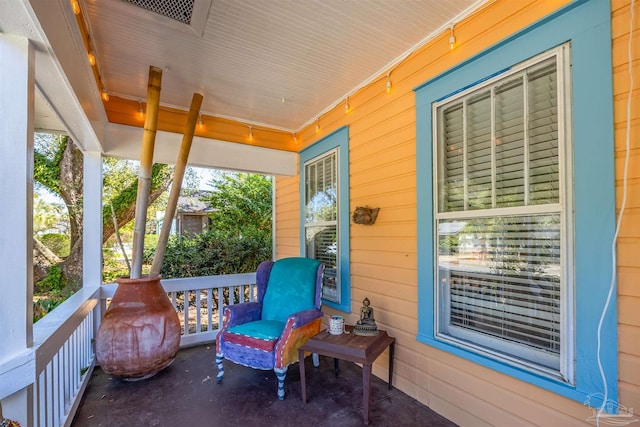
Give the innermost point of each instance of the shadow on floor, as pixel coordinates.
(186, 394)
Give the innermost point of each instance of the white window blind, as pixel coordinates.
(500, 218)
(321, 219)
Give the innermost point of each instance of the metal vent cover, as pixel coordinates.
(178, 10)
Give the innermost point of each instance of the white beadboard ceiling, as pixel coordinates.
(279, 63)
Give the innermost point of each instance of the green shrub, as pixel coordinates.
(214, 253)
(53, 283)
(41, 307)
(57, 243)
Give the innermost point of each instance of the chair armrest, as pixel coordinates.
(303, 317)
(242, 313)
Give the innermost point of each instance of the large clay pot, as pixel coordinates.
(140, 332)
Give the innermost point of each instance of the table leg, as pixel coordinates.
(392, 348)
(303, 382)
(366, 392)
(336, 366)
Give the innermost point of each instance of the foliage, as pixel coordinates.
(120, 187)
(57, 243)
(49, 150)
(241, 203)
(54, 283)
(112, 267)
(213, 253)
(240, 234)
(48, 215)
(43, 306)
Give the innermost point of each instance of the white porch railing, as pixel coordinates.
(63, 340)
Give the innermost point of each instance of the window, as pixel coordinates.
(324, 207)
(503, 286)
(321, 219)
(584, 213)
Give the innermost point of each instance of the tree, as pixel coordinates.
(58, 167)
(241, 204)
(239, 237)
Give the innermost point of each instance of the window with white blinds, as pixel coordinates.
(503, 288)
(321, 218)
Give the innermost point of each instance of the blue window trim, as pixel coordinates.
(338, 139)
(587, 25)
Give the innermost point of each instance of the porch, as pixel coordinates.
(186, 393)
(70, 390)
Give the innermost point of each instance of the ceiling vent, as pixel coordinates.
(178, 10)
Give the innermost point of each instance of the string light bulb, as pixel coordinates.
(389, 84)
(347, 108)
(295, 138)
(140, 110)
(452, 37)
(104, 95)
(75, 6)
(200, 125)
(318, 125)
(250, 133)
(92, 58)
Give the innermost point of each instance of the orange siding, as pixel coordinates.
(287, 217)
(384, 257)
(125, 112)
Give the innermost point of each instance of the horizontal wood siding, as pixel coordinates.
(384, 256)
(629, 238)
(287, 217)
(126, 112)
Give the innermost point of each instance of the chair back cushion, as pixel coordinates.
(291, 288)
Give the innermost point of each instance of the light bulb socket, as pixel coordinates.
(452, 38)
(92, 58)
(75, 6)
(104, 95)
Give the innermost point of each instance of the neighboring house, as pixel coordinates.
(192, 216)
(517, 127)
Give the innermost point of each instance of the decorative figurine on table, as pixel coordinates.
(366, 326)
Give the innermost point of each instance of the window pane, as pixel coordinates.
(321, 190)
(509, 119)
(451, 172)
(322, 244)
(501, 277)
(321, 219)
(543, 135)
(479, 151)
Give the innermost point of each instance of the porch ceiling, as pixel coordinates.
(272, 63)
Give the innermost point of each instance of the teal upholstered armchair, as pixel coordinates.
(267, 334)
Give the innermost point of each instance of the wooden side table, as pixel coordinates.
(353, 348)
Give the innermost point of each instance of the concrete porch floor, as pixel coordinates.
(186, 394)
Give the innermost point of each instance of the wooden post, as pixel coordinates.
(176, 186)
(146, 163)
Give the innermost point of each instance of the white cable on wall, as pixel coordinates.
(623, 203)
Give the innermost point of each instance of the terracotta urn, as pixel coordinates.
(140, 332)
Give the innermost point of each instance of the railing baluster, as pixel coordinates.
(198, 327)
(209, 310)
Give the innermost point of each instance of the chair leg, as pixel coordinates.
(219, 358)
(281, 373)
